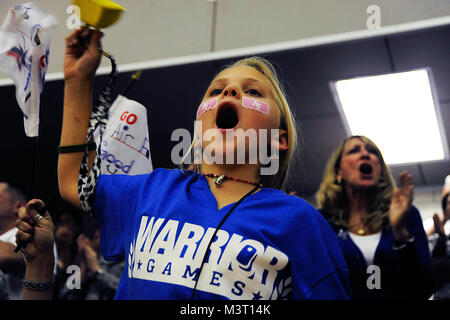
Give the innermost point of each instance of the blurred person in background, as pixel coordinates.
(99, 278)
(441, 248)
(376, 224)
(68, 227)
(441, 222)
(12, 264)
(3, 287)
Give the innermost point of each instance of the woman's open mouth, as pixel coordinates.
(227, 117)
(365, 169)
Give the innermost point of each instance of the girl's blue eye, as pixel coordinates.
(215, 92)
(254, 92)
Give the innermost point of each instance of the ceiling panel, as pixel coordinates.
(435, 172)
(427, 48)
(414, 169)
(309, 71)
(428, 173)
(319, 137)
(148, 30)
(268, 21)
(445, 114)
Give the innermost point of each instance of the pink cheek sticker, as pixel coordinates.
(206, 106)
(254, 104)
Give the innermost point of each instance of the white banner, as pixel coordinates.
(25, 38)
(125, 145)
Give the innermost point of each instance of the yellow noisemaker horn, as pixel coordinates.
(99, 13)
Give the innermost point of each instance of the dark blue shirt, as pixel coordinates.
(403, 274)
(272, 246)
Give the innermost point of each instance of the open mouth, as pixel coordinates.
(365, 168)
(227, 117)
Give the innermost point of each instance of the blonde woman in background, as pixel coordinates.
(380, 233)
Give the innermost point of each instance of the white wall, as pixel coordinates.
(251, 22)
(158, 29)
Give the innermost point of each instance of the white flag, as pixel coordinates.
(24, 51)
(125, 145)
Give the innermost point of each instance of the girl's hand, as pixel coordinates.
(83, 54)
(400, 204)
(37, 239)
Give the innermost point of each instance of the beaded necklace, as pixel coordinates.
(220, 178)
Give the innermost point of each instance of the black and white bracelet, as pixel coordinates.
(77, 148)
(38, 286)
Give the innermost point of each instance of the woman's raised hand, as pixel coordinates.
(400, 205)
(83, 54)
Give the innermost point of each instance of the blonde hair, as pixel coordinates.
(287, 120)
(331, 196)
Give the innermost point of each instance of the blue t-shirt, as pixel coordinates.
(272, 246)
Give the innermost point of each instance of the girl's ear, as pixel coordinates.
(283, 140)
(279, 142)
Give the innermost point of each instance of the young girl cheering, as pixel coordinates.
(221, 231)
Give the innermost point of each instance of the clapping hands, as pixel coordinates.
(402, 198)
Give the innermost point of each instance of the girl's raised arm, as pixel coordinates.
(83, 54)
